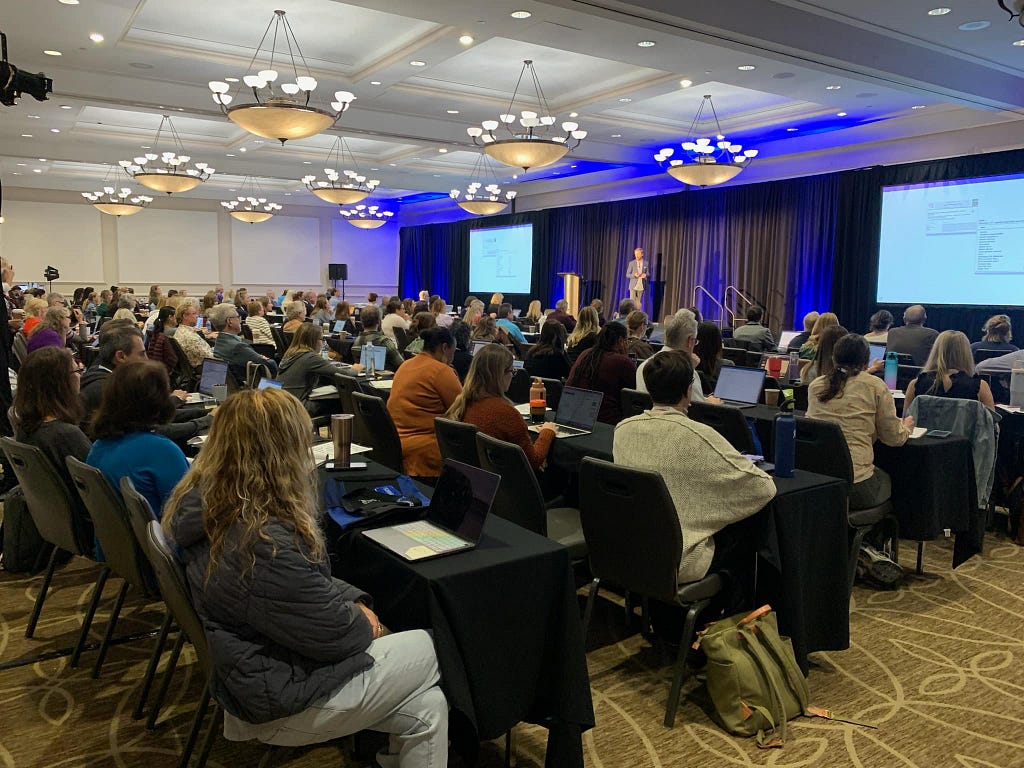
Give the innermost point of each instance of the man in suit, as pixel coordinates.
(760, 338)
(912, 338)
(636, 273)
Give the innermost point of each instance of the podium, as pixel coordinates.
(571, 286)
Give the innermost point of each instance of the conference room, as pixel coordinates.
(325, 214)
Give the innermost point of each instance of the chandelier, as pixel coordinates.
(117, 202)
(282, 112)
(534, 143)
(354, 188)
(366, 217)
(253, 207)
(491, 201)
(169, 171)
(704, 163)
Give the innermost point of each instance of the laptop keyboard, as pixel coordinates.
(430, 536)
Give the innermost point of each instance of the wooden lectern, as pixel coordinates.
(571, 284)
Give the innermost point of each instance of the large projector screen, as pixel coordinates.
(953, 242)
(501, 259)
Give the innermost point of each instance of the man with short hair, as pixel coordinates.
(912, 338)
(636, 273)
(230, 345)
(801, 338)
(625, 307)
(561, 315)
(680, 336)
(505, 321)
(425, 295)
(759, 337)
(372, 334)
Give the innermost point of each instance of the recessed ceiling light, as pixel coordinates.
(241, 149)
(22, 165)
(53, 53)
(792, 129)
(520, 14)
(417, 63)
(144, 146)
(574, 114)
(616, 135)
(466, 39)
(437, 175)
(452, 111)
(96, 37)
(42, 159)
(33, 117)
(625, 100)
(37, 170)
(974, 26)
(26, 135)
(918, 106)
(229, 155)
(68, 2)
(65, 106)
(307, 162)
(572, 166)
(287, 194)
(375, 169)
(393, 165)
(685, 83)
(938, 11)
(442, 150)
(231, 79)
(55, 130)
(840, 114)
(375, 82)
(833, 87)
(646, 44)
(1018, 43)
(746, 68)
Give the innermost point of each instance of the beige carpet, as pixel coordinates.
(937, 665)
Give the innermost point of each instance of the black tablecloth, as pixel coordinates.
(506, 627)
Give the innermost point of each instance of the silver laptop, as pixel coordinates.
(268, 384)
(476, 346)
(454, 520)
(785, 338)
(740, 386)
(577, 412)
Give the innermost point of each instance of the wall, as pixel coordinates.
(191, 244)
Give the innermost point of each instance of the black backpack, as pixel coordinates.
(23, 549)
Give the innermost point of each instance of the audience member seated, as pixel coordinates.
(136, 401)
(300, 656)
(801, 338)
(810, 348)
(606, 368)
(34, 311)
(913, 338)
(598, 307)
(998, 335)
(124, 313)
(438, 309)
(865, 411)
(487, 330)
(230, 345)
(949, 372)
(681, 335)
(710, 483)
(370, 317)
(625, 307)
(408, 309)
(393, 319)
(636, 329)
(507, 324)
(585, 334)
(824, 363)
(294, 315)
(708, 348)
(474, 311)
(52, 330)
(322, 312)
(194, 346)
(547, 358)
(497, 299)
(303, 368)
(160, 349)
(256, 322)
(242, 303)
(421, 321)
(371, 299)
(424, 387)
(483, 403)
(343, 311)
(561, 315)
(878, 327)
(533, 312)
(759, 338)
(461, 361)
(208, 302)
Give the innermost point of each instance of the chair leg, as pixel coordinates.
(197, 724)
(211, 734)
(172, 662)
(154, 662)
(268, 757)
(41, 597)
(508, 748)
(109, 634)
(97, 593)
(920, 558)
(679, 674)
(858, 537)
(595, 587)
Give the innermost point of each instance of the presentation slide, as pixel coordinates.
(953, 242)
(501, 259)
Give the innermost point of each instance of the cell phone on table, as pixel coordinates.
(329, 466)
(937, 433)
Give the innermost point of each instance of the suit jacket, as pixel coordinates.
(913, 340)
(636, 284)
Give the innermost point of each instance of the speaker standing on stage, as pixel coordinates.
(636, 272)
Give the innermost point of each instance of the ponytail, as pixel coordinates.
(850, 356)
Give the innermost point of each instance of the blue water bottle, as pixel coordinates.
(785, 444)
(891, 370)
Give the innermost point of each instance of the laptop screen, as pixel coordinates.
(785, 337)
(462, 499)
(476, 346)
(657, 335)
(339, 326)
(578, 408)
(877, 352)
(380, 356)
(215, 373)
(268, 384)
(516, 312)
(742, 385)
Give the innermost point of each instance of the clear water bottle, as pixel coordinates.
(794, 367)
(368, 351)
(891, 370)
(324, 351)
(785, 444)
(1017, 386)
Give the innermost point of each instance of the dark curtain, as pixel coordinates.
(857, 239)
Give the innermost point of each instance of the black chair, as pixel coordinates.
(374, 423)
(553, 388)
(906, 374)
(519, 347)
(736, 355)
(904, 358)
(59, 522)
(247, 333)
(987, 354)
(457, 440)
(634, 402)
(519, 388)
(520, 500)
(279, 341)
(753, 358)
(732, 342)
(727, 421)
(770, 382)
(184, 375)
(267, 350)
(646, 562)
(401, 338)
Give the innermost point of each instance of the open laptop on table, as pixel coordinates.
(268, 384)
(740, 387)
(784, 338)
(454, 520)
(577, 412)
(215, 374)
(476, 346)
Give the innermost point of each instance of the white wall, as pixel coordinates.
(62, 235)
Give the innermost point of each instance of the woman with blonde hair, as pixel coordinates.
(636, 327)
(209, 302)
(322, 311)
(949, 372)
(998, 335)
(584, 334)
(294, 671)
(34, 310)
(533, 312)
(497, 299)
(810, 349)
(474, 312)
(438, 309)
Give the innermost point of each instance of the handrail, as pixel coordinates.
(700, 289)
(739, 295)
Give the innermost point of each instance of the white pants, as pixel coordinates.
(637, 296)
(398, 695)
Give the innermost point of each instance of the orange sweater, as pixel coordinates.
(495, 417)
(423, 388)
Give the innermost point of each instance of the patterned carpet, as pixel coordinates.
(937, 665)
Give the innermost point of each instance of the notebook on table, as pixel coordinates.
(577, 412)
(454, 520)
(740, 387)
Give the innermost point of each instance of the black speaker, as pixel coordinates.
(337, 271)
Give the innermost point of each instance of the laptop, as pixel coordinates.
(454, 520)
(657, 334)
(215, 374)
(516, 312)
(339, 326)
(577, 412)
(740, 386)
(380, 356)
(268, 384)
(785, 337)
(877, 353)
(476, 346)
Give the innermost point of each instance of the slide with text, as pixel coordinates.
(501, 259)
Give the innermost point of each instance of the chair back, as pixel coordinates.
(184, 376)
(48, 498)
(734, 343)
(279, 340)
(374, 424)
(736, 355)
(247, 332)
(519, 347)
(401, 338)
(346, 386)
(457, 440)
(519, 388)
(727, 421)
(519, 498)
(821, 447)
(553, 387)
(906, 374)
(20, 347)
(140, 514)
(634, 402)
(109, 515)
(631, 527)
(987, 354)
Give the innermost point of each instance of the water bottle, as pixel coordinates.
(368, 351)
(891, 369)
(324, 352)
(785, 444)
(1017, 386)
(794, 367)
(538, 400)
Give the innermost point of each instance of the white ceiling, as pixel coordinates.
(158, 55)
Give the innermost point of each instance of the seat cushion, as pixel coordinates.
(707, 587)
(862, 517)
(564, 527)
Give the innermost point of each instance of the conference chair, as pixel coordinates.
(247, 333)
(906, 374)
(553, 387)
(401, 338)
(184, 375)
(753, 358)
(735, 355)
(519, 388)
(641, 551)
(519, 347)
(20, 347)
(727, 421)
(457, 440)
(53, 510)
(987, 354)
(374, 424)
(634, 402)
(520, 500)
(734, 343)
(279, 341)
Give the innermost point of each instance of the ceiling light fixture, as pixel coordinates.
(1018, 43)
(703, 163)
(375, 82)
(344, 188)
(55, 130)
(116, 202)
(833, 87)
(520, 14)
(53, 53)
(466, 39)
(938, 11)
(26, 135)
(452, 111)
(283, 112)
(253, 207)
(366, 217)
(685, 83)
(96, 37)
(68, 2)
(65, 106)
(1014, 8)
(746, 68)
(168, 171)
(791, 130)
(840, 114)
(646, 44)
(417, 63)
(625, 100)
(528, 146)
(488, 202)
